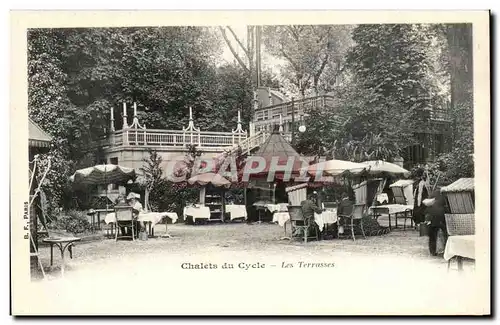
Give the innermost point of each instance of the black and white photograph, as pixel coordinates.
(264, 164)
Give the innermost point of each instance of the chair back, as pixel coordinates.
(358, 211)
(399, 195)
(460, 224)
(330, 205)
(295, 212)
(124, 213)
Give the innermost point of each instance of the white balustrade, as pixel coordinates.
(171, 138)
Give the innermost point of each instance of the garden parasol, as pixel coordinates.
(336, 167)
(103, 175)
(209, 178)
(380, 166)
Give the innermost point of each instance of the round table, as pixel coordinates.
(62, 243)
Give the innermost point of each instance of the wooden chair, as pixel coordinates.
(352, 221)
(400, 198)
(399, 195)
(300, 223)
(124, 218)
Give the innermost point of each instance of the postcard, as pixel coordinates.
(250, 163)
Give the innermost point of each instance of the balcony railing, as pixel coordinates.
(299, 107)
(302, 106)
(170, 138)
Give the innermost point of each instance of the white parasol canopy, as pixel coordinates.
(380, 166)
(103, 175)
(336, 167)
(209, 178)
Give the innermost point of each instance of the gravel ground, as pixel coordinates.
(259, 238)
(379, 275)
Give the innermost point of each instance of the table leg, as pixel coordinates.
(390, 228)
(166, 231)
(460, 263)
(62, 261)
(396, 221)
(51, 254)
(98, 221)
(285, 237)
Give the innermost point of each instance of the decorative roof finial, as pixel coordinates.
(125, 123)
(112, 120)
(190, 126)
(135, 122)
(238, 127)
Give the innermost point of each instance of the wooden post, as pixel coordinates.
(245, 194)
(293, 122)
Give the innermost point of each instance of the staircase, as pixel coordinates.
(249, 144)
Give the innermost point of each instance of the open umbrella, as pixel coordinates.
(380, 166)
(103, 175)
(336, 167)
(209, 178)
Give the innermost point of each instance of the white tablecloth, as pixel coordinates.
(281, 207)
(236, 211)
(327, 217)
(153, 217)
(460, 246)
(281, 218)
(200, 212)
(394, 208)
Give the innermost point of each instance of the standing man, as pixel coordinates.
(435, 220)
(420, 194)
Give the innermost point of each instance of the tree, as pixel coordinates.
(249, 60)
(309, 52)
(391, 87)
(459, 162)
(233, 94)
(154, 182)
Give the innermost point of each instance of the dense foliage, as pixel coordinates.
(314, 55)
(75, 222)
(394, 77)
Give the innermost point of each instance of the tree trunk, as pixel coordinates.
(459, 37)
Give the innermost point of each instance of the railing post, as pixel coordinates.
(199, 139)
(125, 137)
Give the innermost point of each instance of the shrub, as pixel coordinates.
(74, 222)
